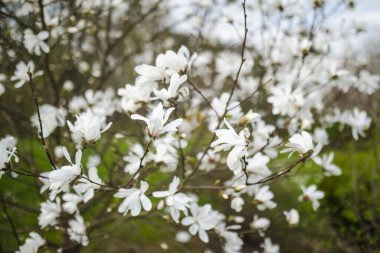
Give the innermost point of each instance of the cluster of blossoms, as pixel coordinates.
(187, 124)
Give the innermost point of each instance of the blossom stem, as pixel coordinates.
(41, 132)
(141, 163)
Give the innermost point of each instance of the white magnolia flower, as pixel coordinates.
(172, 91)
(201, 219)
(86, 187)
(238, 143)
(50, 212)
(182, 236)
(62, 177)
(233, 243)
(32, 244)
(257, 167)
(237, 203)
(71, 202)
(35, 43)
(134, 199)
(89, 126)
(311, 194)
(292, 216)
(21, 73)
(269, 247)
(175, 201)
(263, 198)
(133, 158)
(359, 122)
(260, 224)
(302, 143)
(156, 123)
(51, 118)
(77, 230)
(328, 167)
(7, 151)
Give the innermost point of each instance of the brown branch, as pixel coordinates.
(141, 162)
(288, 169)
(230, 96)
(41, 132)
(204, 98)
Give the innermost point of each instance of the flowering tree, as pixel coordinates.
(195, 141)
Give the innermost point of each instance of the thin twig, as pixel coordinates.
(41, 132)
(230, 96)
(141, 163)
(204, 98)
(14, 231)
(284, 171)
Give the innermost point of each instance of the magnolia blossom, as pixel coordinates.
(238, 143)
(89, 126)
(77, 230)
(51, 118)
(133, 159)
(71, 202)
(233, 243)
(62, 177)
(175, 201)
(201, 219)
(302, 143)
(359, 121)
(312, 194)
(21, 73)
(35, 43)
(156, 123)
(7, 151)
(86, 187)
(292, 216)
(263, 198)
(328, 167)
(269, 247)
(32, 244)
(50, 211)
(172, 91)
(260, 224)
(134, 199)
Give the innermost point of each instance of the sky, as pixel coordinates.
(367, 13)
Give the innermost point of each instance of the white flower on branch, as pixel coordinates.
(263, 198)
(292, 216)
(359, 122)
(134, 199)
(51, 118)
(328, 167)
(260, 224)
(35, 43)
(7, 152)
(62, 177)
(21, 73)
(77, 230)
(71, 202)
(89, 126)
(50, 211)
(156, 123)
(32, 244)
(173, 90)
(133, 158)
(86, 187)
(311, 194)
(302, 143)
(269, 247)
(201, 219)
(175, 201)
(228, 139)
